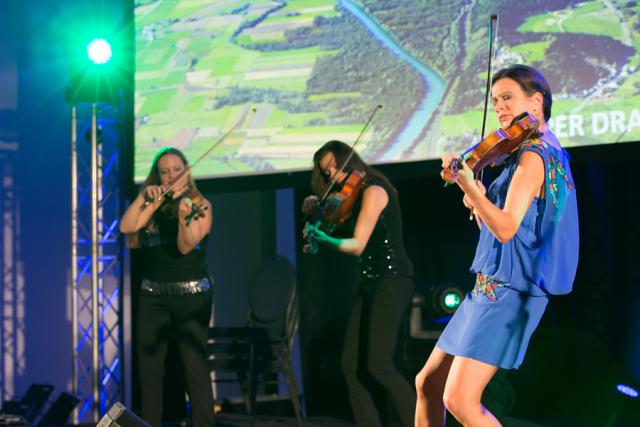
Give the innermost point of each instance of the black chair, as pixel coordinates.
(261, 351)
(60, 410)
(30, 405)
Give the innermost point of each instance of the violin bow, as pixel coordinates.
(494, 19)
(186, 170)
(353, 150)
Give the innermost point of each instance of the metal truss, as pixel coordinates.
(12, 294)
(96, 252)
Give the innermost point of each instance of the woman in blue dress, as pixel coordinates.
(527, 250)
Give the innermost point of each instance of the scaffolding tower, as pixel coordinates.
(96, 258)
(12, 295)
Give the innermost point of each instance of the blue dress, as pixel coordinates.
(514, 279)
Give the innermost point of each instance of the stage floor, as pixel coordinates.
(235, 420)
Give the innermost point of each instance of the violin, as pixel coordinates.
(197, 210)
(170, 205)
(337, 207)
(497, 146)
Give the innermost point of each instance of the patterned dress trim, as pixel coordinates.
(532, 143)
(487, 286)
(556, 169)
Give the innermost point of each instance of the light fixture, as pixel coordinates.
(99, 51)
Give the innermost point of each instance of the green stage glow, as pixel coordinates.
(451, 300)
(99, 51)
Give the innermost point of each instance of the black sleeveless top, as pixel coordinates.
(161, 259)
(384, 255)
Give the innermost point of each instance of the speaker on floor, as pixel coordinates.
(60, 410)
(120, 416)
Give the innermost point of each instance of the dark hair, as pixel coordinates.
(531, 81)
(341, 151)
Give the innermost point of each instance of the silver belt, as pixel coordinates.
(189, 287)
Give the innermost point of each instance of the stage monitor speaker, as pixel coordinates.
(120, 416)
(60, 410)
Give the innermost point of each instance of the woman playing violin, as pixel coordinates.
(175, 294)
(385, 282)
(527, 250)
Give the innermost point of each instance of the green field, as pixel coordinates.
(313, 71)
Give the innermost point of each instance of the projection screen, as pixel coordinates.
(315, 70)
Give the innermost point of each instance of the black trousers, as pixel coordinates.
(373, 328)
(186, 318)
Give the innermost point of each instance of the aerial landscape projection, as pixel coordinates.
(315, 70)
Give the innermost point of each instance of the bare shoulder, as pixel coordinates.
(532, 161)
(375, 195)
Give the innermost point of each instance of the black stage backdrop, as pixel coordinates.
(588, 341)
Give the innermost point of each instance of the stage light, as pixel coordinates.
(432, 308)
(627, 390)
(447, 299)
(99, 51)
(452, 300)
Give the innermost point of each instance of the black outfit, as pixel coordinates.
(385, 288)
(175, 302)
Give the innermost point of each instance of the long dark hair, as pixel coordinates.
(170, 207)
(341, 151)
(531, 81)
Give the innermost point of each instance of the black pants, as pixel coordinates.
(373, 328)
(187, 319)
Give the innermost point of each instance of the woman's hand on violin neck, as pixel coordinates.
(449, 171)
(308, 233)
(305, 234)
(310, 204)
(454, 169)
(447, 159)
(185, 208)
(312, 231)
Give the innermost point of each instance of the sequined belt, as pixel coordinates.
(188, 287)
(487, 286)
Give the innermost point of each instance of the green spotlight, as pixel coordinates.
(446, 299)
(452, 300)
(99, 51)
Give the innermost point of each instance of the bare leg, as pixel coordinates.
(465, 384)
(430, 386)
